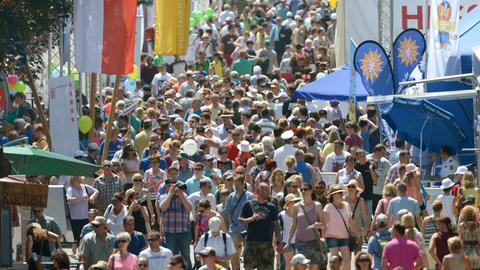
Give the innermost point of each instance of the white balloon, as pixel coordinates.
(129, 84)
(190, 147)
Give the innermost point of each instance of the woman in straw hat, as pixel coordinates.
(359, 210)
(286, 220)
(339, 224)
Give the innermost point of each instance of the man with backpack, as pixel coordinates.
(219, 241)
(377, 242)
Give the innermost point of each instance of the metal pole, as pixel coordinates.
(91, 107)
(444, 78)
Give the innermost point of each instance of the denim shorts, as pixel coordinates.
(336, 242)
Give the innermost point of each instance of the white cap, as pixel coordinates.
(461, 170)
(244, 146)
(299, 259)
(287, 135)
(214, 224)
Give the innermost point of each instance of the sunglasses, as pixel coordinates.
(363, 260)
(95, 225)
(305, 189)
(294, 186)
(239, 172)
(153, 239)
(197, 169)
(153, 148)
(142, 264)
(107, 166)
(37, 211)
(201, 211)
(352, 187)
(122, 241)
(137, 180)
(173, 263)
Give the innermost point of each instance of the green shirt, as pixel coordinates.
(93, 248)
(244, 66)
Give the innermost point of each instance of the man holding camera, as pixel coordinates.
(175, 224)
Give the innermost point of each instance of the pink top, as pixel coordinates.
(127, 264)
(335, 226)
(382, 206)
(401, 252)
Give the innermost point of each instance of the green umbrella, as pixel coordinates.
(31, 161)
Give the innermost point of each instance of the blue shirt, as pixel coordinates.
(403, 202)
(112, 149)
(193, 185)
(232, 201)
(302, 168)
(375, 249)
(137, 243)
(145, 164)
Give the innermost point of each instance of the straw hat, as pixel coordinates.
(291, 198)
(335, 188)
(354, 183)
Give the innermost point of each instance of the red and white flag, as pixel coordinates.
(104, 35)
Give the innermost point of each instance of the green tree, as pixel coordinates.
(24, 29)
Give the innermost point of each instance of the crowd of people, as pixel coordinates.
(255, 194)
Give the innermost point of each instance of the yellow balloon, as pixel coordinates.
(134, 74)
(85, 124)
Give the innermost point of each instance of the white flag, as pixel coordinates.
(443, 54)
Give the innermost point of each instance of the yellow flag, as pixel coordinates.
(171, 27)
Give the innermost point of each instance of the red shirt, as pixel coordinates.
(232, 151)
(354, 140)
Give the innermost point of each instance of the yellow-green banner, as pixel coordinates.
(171, 27)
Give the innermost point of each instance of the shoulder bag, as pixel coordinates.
(323, 246)
(352, 241)
(90, 204)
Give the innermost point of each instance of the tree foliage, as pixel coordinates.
(24, 29)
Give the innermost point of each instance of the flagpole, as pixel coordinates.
(110, 118)
(91, 106)
(36, 99)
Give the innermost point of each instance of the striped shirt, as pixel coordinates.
(176, 216)
(107, 187)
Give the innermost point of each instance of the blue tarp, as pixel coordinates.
(335, 86)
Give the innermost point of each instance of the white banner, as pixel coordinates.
(411, 13)
(442, 48)
(63, 116)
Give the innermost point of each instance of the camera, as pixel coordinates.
(181, 186)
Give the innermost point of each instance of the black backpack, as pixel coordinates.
(224, 237)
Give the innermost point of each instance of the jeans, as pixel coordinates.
(369, 206)
(179, 243)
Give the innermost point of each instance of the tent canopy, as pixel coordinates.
(335, 86)
(469, 31)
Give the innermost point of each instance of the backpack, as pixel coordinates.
(224, 237)
(382, 241)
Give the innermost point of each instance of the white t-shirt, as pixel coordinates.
(157, 260)
(448, 167)
(287, 224)
(158, 81)
(217, 244)
(447, 206)
(115, 222)
(334, 162)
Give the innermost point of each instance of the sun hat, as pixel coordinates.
(355, 183)
(291, 198)
(244, 146)
(447, 183)
(299, 259)
(335, 188)
(287, 135)
(461, 170)
(100, 265)
(410, 168)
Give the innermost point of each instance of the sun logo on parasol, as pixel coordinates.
(408, 51)
(371, 65)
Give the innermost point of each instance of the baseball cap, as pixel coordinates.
(299, 259)
(381, 218)
(79, 154)
(214, 224)
(99, 220)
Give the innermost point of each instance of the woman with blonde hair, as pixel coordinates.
(468, 188)
(389, 192)
(290, 161)
(332, 137)
(277, 177)
(457, 258)
(469, 232)
(408, 220)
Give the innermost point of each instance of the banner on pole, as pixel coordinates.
(352, 101)
(171, 27)
(443, 54)
(407, 52)
(63, 116)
